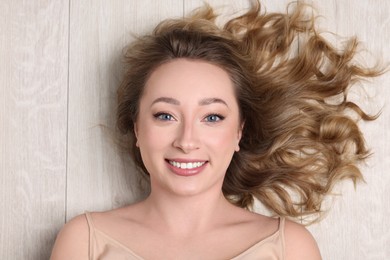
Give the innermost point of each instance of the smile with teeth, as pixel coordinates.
(189, 165)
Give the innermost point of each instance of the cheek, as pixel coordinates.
(150, 146)
(224, 140)
(152, 138)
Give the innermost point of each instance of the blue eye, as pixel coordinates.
(214, 118)
(164, 117)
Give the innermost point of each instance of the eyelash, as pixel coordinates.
(219, 118)
(168, 117)
(160, 116)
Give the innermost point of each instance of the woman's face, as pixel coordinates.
(188, 126)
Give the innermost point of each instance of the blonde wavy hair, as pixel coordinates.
(297, 142)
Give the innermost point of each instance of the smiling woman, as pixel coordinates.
(218, 116)
(192, 104)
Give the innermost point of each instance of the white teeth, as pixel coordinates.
(190, 165)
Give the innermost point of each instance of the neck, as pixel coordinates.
(187, 214)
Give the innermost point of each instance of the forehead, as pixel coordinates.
(190, 78)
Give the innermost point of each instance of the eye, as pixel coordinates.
(214, 118)
(164, 116)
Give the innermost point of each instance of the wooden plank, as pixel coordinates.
(229, 8)
(33, 98)
(98, 178)
(357, 226)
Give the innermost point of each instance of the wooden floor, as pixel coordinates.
(59, 69)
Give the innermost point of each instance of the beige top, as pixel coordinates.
(104, 247)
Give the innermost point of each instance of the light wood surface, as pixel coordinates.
(59, 70)
(358, 226)
(33, 115)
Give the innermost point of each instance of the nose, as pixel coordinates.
(187, 138)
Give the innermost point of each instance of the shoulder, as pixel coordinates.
(299, 243)
(72, 241)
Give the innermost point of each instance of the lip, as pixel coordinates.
(186, 172)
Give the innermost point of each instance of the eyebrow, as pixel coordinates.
(167, 100)
(208, 101)
(203, 102)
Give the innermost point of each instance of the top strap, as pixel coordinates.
(282, 222)
(91, 227)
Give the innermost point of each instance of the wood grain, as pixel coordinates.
(357, 226)
(33, 78)
(229, 8)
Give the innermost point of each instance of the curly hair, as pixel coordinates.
(297, 141)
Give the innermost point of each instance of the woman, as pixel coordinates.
(216, 117)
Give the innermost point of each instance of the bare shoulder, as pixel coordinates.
(72, 241)
(299, 243)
